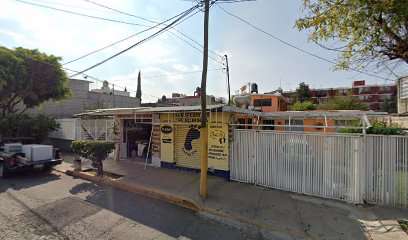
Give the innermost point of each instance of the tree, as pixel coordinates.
(139, 86)
(28, 78)
(366, 30)
(96, 151)
(303, 93)
(303, 106)
(343, 103)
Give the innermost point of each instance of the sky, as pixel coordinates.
(253, 56)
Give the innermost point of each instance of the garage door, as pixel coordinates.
(188, 146)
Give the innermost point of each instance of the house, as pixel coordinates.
(83, 99)
(373, 95)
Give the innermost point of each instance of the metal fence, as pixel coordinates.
(353, 168)
(97, 129)
(84, 129)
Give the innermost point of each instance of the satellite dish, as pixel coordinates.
(243, 88)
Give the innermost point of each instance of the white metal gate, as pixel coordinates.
(348, 167)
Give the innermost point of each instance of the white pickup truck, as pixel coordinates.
(16, 157)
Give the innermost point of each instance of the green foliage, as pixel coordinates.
(385, 106)
(29, 77)
(21, 125)
(302, 93)
(11, 68)
(365, 30)
(303, 106)
(389, 107)
(378, 126)
(97, 151)
(343, 103)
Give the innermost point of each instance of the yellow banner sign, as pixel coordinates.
(218, 142)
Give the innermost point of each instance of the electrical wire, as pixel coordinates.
(132, 15)
(123, 22)
(168, 75)
(122, 40)
(297, 48)
(133, 35)
(186, 13)
(82, 14)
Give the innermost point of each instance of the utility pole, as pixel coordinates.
(203, 130)
(228, 81)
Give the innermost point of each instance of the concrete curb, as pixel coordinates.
(152, 193)
(216, 215)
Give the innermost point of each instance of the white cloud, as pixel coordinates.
(180, 67)
(195, 67)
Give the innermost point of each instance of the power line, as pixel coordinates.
(86, 76)
(168, 75)
(295, 47)
(184, 14)
(133, 35)
(132, 15)
(82, 14)
(124, 39)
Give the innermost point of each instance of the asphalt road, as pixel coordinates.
(55, 206)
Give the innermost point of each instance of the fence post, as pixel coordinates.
(362, 164)
(254, 154)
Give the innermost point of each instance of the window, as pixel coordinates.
(263, 102)
(268, 122)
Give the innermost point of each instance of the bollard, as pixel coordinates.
(77, 165)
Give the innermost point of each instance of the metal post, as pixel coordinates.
(228, 81)
(148, 147)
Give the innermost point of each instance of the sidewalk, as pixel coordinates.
(284, 215)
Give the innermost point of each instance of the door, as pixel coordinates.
(188, 146)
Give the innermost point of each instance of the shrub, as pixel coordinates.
(303, 106)
(377, 127)
(97, 151)
(21, 125)
(343, 103)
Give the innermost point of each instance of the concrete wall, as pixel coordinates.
(81, 100)
(401, 121)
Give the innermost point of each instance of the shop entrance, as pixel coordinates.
(188, 146)
(137, 135)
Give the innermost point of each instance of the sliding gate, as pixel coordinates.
(336, 166)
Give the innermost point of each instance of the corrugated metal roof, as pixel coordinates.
(340, 113)
(232, 109)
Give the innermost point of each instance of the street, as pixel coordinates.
(55, 206)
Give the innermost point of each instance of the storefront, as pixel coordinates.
(170, 137)
(181, 135)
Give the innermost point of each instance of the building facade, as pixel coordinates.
(83, 99)
(373, 95)
(403, 96)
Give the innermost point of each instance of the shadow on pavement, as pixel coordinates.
(169, 219)
(27, 179)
